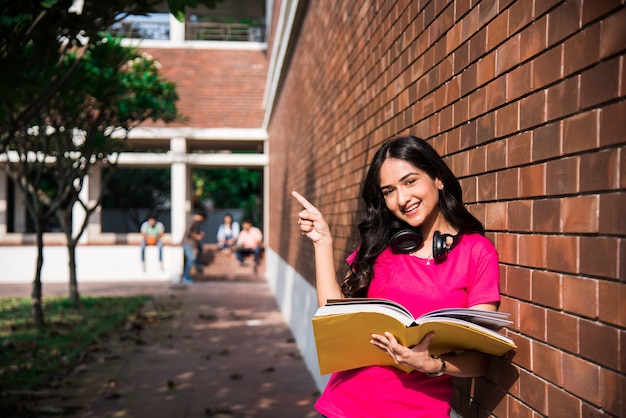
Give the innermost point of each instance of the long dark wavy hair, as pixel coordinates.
(379, 223)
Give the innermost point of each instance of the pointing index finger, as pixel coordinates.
(307, 205)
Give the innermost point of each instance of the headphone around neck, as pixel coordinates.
(405, 241)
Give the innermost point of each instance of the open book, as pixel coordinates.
(343, 329)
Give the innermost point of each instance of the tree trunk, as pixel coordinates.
(74, 295)
(65, 218)
(36, 294)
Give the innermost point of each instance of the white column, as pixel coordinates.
(177, 30)
(180, 204)
(266, 196)
(3, 202)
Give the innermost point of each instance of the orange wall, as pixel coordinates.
(525, 99)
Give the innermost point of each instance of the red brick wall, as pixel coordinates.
(525, 99)
(217, 88)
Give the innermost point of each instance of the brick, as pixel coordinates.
(612, 309)
(613, 32)
(496, 92)
(563, 99)
(562, 176)
(469, 190)
(508, 54)
(459, 164)
(599, 171)
(518, 283)
(546, 215)
(507, 119)
(563, 21)
(533, 321)
(486, 69)
(593, 10)
(575, 220)
(546, 142)
(580, 132)
(461, 111)
(520, 16)
(498, 28)
(562, 331)
(477, 160)
(612, 389)
(581, 378)
(546, 289)
(622, 357)
(562, 404)
(563, 253)
(533, 390)
(580, 296)
(518, 409)
(599, 256)
(507, 184)
(543, 6)
(612, 124)
(600, 84)
(496, 153)
(533, 110)
(522, 355)
(519, 214)
(606, 352)
(486, 128)
(533, 39)
(548, 67)
(504, 374)
(532, 180)
(612, 219)
(532, 250)
(496, 216)
(581, 50)
(519, 81)
(468, 135)
(507, 248)
(519, 149)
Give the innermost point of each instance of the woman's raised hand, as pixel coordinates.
(311, 221)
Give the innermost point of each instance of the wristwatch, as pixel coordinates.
(441, 370)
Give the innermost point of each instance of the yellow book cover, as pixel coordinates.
(343, 330)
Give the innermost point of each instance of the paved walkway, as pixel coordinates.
(216, 348)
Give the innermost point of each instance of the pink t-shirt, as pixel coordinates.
(469, 276)
(250, 238)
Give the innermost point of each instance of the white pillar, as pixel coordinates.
(3, 202)
(177, 30)
(266, 196)
(180, 204)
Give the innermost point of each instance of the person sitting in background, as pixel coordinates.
(227, 234)
(151, 231)
(249, 242)
(192, 244)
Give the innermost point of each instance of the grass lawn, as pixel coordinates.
(31, 360)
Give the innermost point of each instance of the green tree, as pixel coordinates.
(56, 74)
(231, 188)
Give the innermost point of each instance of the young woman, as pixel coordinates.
(420, 247)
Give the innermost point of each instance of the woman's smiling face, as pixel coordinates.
(410, 193)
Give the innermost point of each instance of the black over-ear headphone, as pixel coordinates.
(406, 241)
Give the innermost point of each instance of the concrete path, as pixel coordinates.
(216, 348)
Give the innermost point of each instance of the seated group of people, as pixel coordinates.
(243, 241)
